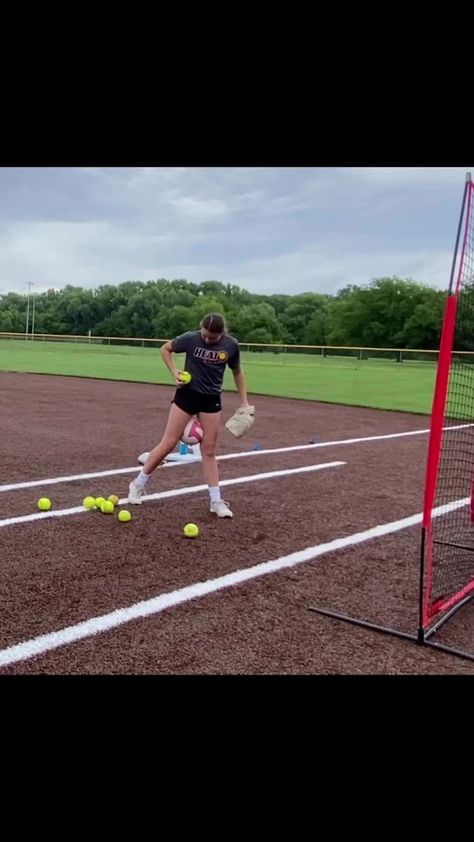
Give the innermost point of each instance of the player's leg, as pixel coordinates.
(177, 420)
(210, 422)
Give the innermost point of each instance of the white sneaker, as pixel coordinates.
(221, 509)
(135, 493)
(143, 457)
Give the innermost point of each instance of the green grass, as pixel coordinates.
(378, 383)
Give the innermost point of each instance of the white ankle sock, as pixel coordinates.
(214, 493)
(142, 479)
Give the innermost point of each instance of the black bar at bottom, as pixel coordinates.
(420, 639)
(365, 624)
(449, 649)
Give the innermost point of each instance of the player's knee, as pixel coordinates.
(208, 448)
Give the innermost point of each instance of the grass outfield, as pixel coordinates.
(378, 383)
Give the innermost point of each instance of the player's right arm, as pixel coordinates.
(167, 351)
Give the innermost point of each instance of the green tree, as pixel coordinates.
(375, 315)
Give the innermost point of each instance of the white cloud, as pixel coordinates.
(410, 175)
(267, 229)
(53, 254)
(199, 209)
(316, 271)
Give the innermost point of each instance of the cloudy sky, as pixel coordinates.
(266, 229)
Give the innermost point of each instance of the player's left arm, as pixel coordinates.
(240, 382)
(241, 385)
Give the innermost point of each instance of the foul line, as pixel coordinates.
(175, 492)
(149, 607)
(264, 452)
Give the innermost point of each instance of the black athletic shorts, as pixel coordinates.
(195, 402)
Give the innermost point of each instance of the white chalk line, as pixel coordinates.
(222, 457)
(175, 492)
(150, 607)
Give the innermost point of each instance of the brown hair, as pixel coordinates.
(214, 322)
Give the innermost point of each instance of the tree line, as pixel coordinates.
(387, 312)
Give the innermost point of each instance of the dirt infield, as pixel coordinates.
(59, 572)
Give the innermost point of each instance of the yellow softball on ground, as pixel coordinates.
(124, 516)
(107, 507)
(191, 530)
(113, 499)
(44, 504)
(89, 502)
(98, 501)
(185, 376)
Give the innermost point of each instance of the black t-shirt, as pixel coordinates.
(206, 363)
